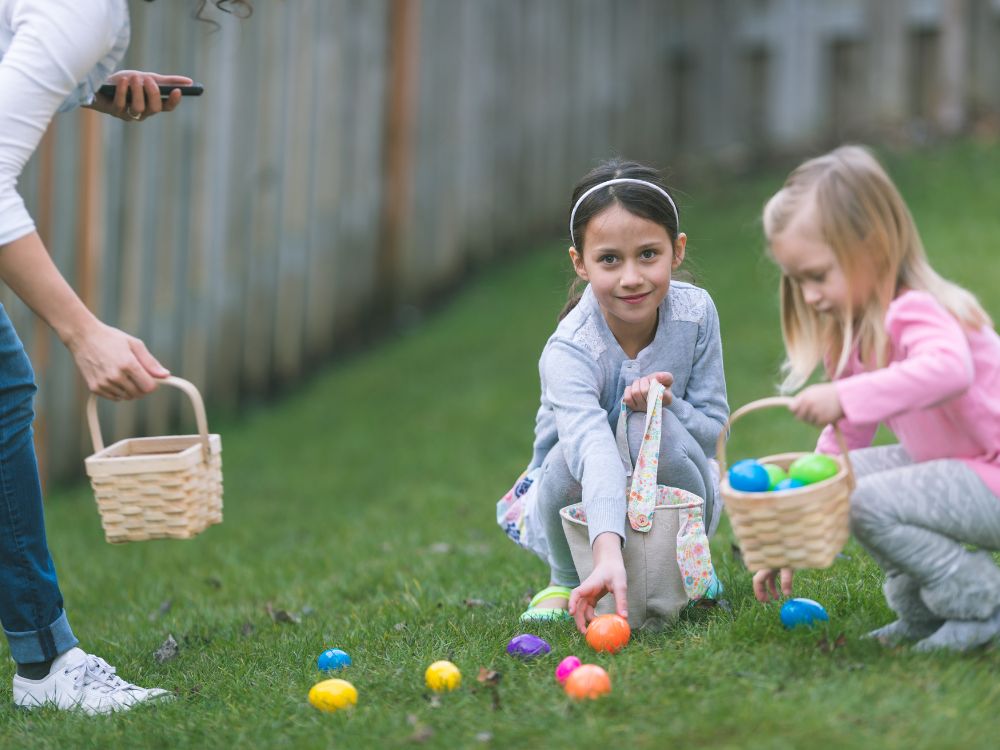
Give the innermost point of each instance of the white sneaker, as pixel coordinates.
(78, 680)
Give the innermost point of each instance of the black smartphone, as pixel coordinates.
(196, 89)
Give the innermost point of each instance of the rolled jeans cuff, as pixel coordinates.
(35, 646)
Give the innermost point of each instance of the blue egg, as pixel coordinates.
(788, 484)
(333, 659)
(749, 476)
(797, 612)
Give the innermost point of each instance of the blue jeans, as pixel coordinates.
(31, 605)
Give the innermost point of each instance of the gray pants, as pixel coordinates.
(916, 520)
(682, 464)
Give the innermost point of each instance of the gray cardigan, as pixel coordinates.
(584, 372)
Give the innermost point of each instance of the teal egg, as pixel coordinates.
(748, 476)
(788, 484)
(797, 612)
(813, 467)
(775, 474)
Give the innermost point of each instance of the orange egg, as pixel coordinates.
(588, 682)
(608, 633)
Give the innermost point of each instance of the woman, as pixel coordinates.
(54, 54)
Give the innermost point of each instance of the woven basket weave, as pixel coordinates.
(158, 487)
(804, 527)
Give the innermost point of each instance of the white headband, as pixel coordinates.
(618, 181)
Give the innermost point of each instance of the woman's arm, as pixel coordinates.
(55, 45)
(113, 364)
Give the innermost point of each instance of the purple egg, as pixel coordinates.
(527, 646)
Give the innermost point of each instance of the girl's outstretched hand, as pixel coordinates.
(635, 394)
(765, 587)
(145, 88)
(608, 575)
(818, 405)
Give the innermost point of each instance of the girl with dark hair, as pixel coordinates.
(632, 324)
(54, 54)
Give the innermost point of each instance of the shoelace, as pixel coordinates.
(94, 669)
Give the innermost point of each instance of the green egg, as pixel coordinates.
(813, 467)
(775, 473)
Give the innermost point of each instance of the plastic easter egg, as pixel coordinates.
(442, 676)
(333, 695)
(566, 667)
(748, 476)
(775, 474)
(333, 659)
(527, 646)
(788, 484)
(813, 467)
(588, 682)
(797, 612)
(608, 633)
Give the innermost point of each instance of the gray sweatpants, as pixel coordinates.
(682, 464)
(916, 520)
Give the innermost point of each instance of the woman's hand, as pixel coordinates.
(818, 404)
(635, 394)
(114, 364)
(764, 584)
(146, 101)
(608, 575)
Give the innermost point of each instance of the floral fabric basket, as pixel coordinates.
(666, 554)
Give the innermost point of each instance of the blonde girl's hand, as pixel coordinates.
(765, 586)
(635, 394)
(114, 364)
(608, 575)
(145, 89)
(818, 405)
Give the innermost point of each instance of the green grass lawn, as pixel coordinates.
(364, 505)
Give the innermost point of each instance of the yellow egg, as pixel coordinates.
(442, 676)
(333, 695)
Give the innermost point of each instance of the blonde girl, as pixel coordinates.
(907, 348)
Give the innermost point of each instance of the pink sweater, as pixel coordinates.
(940, 392)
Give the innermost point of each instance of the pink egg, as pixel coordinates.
(565, 668)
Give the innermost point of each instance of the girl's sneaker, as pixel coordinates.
(536, 613)
(81, 681)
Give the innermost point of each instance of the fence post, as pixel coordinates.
(401, 94)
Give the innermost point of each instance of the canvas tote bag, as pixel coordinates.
(666, 553)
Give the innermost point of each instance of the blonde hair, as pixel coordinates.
(862, 217)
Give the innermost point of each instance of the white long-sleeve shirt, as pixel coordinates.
(53, 56)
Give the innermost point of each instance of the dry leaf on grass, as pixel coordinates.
(826, 646)
(168, 650)
(282, 615)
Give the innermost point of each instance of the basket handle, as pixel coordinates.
(767, 403)
(184, 385)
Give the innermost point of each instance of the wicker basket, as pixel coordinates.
(158, 487)
(799, 528)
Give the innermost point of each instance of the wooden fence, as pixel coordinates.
(353, 156)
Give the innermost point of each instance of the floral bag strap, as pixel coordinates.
(694, 559)
(642, 491)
